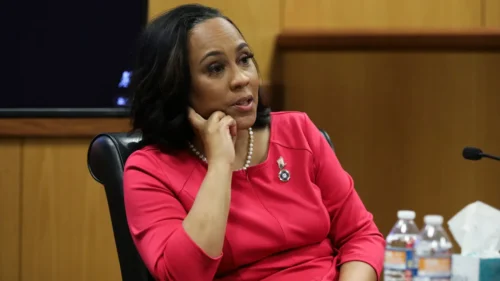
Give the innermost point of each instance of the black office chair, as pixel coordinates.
(105, 159)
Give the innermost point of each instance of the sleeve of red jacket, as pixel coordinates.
(353, 230)
(155, 218)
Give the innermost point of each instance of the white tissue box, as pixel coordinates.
(467, 268)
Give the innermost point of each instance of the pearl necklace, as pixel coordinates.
(249, 155)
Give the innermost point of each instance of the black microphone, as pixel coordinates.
(474, 153)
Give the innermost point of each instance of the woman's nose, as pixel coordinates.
(240, 79)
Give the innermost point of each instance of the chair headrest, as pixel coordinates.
(108, 151)
(327, 137)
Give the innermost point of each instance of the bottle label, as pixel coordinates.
(435, 268)
(399, 264)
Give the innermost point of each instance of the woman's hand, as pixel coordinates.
(217, 133)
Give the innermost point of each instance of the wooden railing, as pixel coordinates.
(61, 127)
(481, 39)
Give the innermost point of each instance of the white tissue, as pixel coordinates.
(477, 230)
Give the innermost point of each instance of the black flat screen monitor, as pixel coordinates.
(76, 56)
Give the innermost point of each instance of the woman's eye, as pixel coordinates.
(246, 58)
(215, 68)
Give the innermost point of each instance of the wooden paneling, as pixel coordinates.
(491, 12)
(65, 219)
(381, 13)
(61, 127)
(10, 209)
(477, 39)
(258, 20)
(399, 122)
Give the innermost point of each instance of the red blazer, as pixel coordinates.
(301, 229)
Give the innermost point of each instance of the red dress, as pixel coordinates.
(296, 230)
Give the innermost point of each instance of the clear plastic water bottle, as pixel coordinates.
(433, 251)
(399, 253)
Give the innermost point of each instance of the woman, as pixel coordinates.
(223, 189)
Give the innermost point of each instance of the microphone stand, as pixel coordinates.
(490, 156)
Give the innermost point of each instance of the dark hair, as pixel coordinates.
(161, 80)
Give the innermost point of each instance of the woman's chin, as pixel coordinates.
(245, 122)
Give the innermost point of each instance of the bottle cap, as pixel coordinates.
(433, 219)
(406, 215)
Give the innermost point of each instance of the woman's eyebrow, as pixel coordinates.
(217, 53)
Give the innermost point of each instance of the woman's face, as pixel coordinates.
(224, 77)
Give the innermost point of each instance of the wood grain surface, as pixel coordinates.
(61, 127)
(479, 39)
